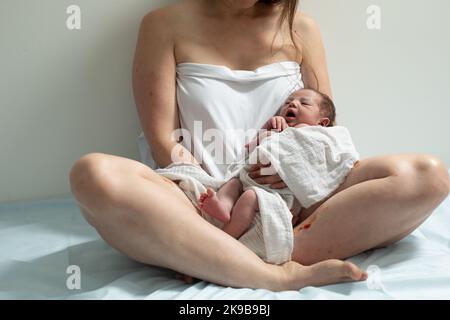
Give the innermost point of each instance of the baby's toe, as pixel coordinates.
(210, 192)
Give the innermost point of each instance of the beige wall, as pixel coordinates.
(66, 93)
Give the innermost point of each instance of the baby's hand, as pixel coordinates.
(278, 123)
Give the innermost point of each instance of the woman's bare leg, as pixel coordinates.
(382, 200)
(149, 219)
(243, 213)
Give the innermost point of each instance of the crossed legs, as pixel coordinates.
(150, 219)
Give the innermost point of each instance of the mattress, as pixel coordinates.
(48, 251)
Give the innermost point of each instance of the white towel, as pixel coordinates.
(312, 161)
(270, 235)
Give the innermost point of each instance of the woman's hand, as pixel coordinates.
(274, 180)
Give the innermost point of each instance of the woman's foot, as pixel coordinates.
(210, 203)
(322, 273)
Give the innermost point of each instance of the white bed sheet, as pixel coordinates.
(40, 239)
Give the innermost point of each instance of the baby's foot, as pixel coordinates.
(211, 204)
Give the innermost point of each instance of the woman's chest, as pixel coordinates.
(237, 47)
(230, 98)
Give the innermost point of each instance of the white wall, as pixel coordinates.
(66, 93)
(392, 86)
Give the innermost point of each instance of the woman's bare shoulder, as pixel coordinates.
(167, 16)
(304, 24)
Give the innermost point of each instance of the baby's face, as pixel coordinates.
(302, 107)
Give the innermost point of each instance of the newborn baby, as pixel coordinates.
(237, 209)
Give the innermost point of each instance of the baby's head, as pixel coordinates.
(308, 106)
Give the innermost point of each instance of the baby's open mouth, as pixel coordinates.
(290, 115)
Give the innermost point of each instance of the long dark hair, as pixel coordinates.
(289, 9)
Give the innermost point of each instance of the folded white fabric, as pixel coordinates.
(270, 236)
(312, 161)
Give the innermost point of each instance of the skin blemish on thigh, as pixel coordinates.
(356, 164)
(305, 227)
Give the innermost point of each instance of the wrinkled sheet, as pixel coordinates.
(39, 240)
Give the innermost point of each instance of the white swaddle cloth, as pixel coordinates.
(312, 161)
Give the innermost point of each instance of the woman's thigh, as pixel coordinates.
(379, 167)
(381, 200)
(96, 177)
(121, 197)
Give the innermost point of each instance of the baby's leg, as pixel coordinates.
(219, 205)
(243, 213)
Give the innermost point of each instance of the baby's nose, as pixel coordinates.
(293, 103)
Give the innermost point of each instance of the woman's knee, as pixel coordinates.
(92, 180)
(437, 176)
(427, 175)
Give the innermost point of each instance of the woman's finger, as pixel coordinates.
(263, 171)
(278, 185)
(257, 166)
(268, 179)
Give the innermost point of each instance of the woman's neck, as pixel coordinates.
(233, 9)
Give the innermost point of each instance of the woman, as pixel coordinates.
(151, 220)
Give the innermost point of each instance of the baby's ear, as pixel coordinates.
(324, 122)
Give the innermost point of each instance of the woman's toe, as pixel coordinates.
(353, 273)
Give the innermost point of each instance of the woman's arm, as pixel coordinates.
(154, 80)
(314, 64)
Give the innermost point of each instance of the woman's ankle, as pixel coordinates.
(281, 277)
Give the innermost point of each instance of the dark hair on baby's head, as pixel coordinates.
(327, 108)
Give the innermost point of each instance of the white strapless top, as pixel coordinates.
(220, 108)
